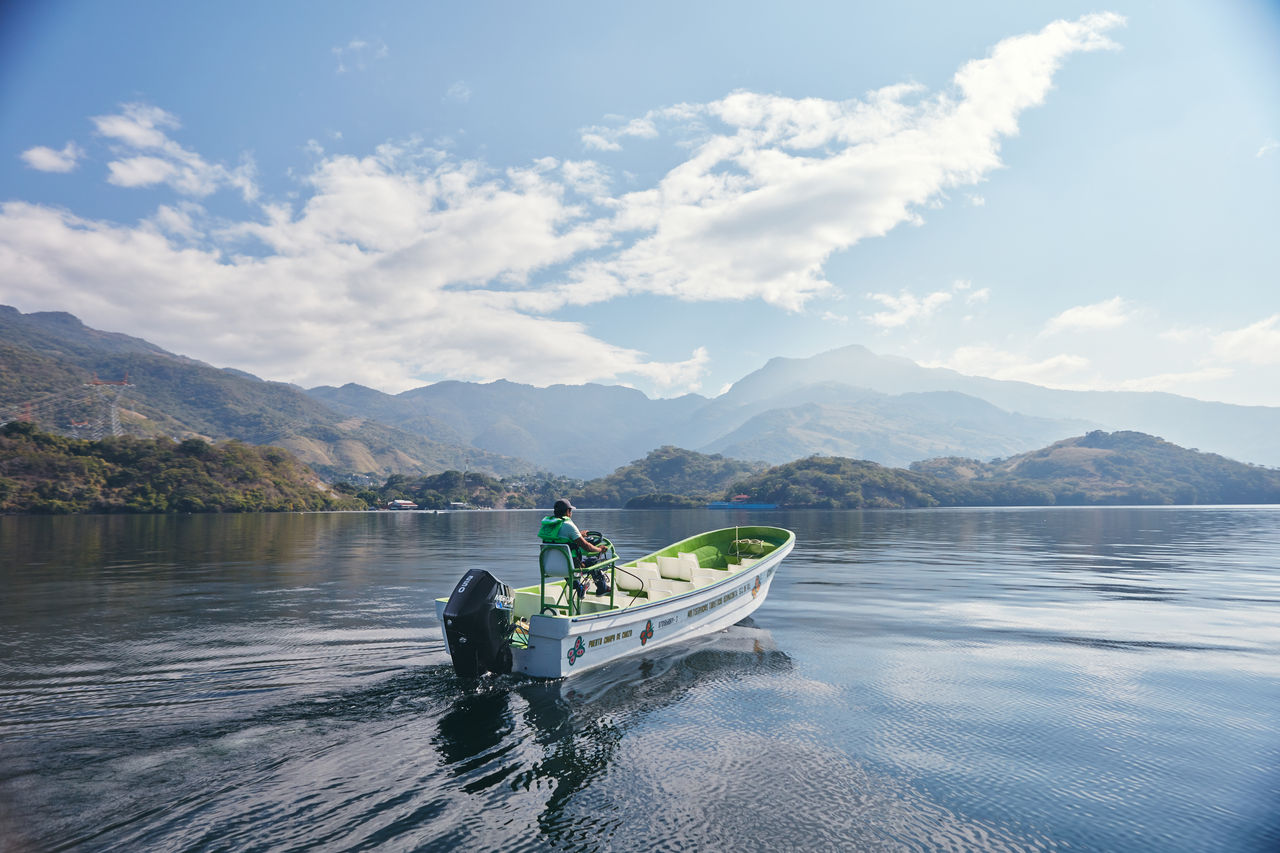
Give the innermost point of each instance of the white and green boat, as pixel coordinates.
(554, 629)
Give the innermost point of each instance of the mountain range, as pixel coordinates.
(847, 402)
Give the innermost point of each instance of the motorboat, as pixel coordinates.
(559, 627)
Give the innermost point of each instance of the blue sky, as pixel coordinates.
(662, 195)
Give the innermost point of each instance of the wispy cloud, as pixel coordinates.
(905, 308)
(1267, 148)
(776, 185)
(1175, 382)
(358, 54)
(49, 160)
(1111, 314)
(1258, 343)
(1059, 370)
(459, 93)
(609, 138)
(146, 155)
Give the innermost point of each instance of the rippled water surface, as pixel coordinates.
(1067, 679)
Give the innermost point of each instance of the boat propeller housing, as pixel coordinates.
(478, 625)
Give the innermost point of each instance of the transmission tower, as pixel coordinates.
(109, 398)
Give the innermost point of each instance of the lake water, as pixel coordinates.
(1026, 679)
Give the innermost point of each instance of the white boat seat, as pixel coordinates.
(676, 569)
(636, 578)
(601, 600)
(556, 561)
(707, 577)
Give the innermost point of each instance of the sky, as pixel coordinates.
(661, 195)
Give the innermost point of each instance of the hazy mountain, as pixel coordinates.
(847, 402)
(576, 430)
(49, 357)
(839, 420)
(1246, 433)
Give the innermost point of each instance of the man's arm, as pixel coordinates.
(582, 542)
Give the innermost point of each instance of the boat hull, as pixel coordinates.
(559, 646)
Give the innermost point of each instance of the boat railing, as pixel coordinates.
(557, 562)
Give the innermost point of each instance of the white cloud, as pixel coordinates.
(1100, 316)
(357, 54)
(1175, 382)
(140, 171)
(406, 264)
(48, 160)
(587, 177)
(905, 308)
(148, 156)
(1257, 344)
(763, 201)
(399, 267)
(1267, 147)
(459, 93)
(982, 360)
(1182, 335)
(607, 138)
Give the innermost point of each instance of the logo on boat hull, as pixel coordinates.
(647, 634)
(576, 652)
(756, 589)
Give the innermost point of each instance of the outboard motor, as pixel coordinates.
(478, 625)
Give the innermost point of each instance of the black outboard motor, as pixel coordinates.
(478, 625)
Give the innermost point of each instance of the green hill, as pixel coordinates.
(668, 476)
(1115, 468)
(1095, 469)
(45, 473)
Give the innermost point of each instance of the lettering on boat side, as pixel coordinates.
(599, 641)
(647, 634)
(576, 652)
(669, 621)
(724, 599)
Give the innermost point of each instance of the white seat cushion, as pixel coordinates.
(631, 580)
(706, 577)
(673, 568)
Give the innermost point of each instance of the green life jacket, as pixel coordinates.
(550, 531)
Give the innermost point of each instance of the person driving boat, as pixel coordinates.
(559, 528)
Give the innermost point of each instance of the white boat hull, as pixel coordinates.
(560, 646)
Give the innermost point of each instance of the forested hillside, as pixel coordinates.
(1112, 468)
(45, 473)
(1095, 469)
(668, 476)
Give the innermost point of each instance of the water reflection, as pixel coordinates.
(557, 739)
